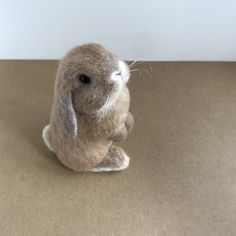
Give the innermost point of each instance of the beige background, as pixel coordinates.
(182, 178)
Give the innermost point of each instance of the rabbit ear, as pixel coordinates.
(66, 113)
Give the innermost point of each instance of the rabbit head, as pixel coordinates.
(89, 79)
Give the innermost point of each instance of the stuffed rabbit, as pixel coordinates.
(90, 112)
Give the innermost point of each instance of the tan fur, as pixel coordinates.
(94, 143)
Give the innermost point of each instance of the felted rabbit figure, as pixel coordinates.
(90, 112)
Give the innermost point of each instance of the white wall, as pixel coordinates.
(134, 29)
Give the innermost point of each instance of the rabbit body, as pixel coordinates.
(85, 137)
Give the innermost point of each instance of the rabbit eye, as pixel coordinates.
(84, 79)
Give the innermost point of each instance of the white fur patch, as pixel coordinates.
(45, 137)
(124, 69)
(107, 169)
(120, 78)
(74, 120)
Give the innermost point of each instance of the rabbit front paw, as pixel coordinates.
(120, 135)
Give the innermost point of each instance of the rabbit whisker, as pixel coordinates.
(140, 70)
(109, 102)
(135, 63)
(131, 64)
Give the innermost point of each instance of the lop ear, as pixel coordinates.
(66, 113)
